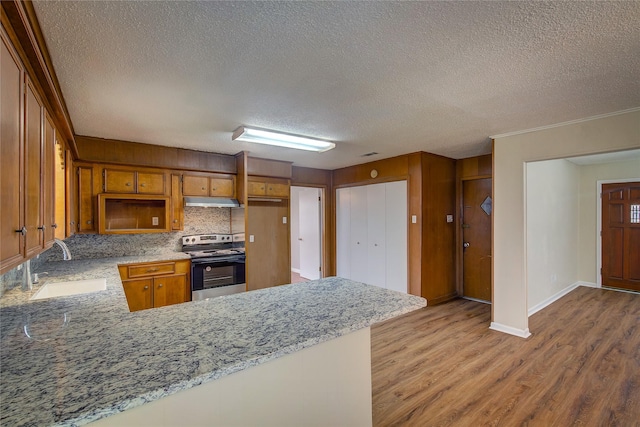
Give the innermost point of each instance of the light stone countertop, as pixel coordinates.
(107, 359)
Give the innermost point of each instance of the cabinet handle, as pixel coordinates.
(146, 287)
(42, 227)
(151, 270)
(54, 225)
(22, 231)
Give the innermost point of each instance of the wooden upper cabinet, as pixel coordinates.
(49, 184)
(195, 186)
(118, 181)
(209, 186)
(133, 182)
(11, 150)
(33, 164)
(151, 183)
(268, 187)
(85, 202)
(177, 208)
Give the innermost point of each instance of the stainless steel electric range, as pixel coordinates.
(217, 264)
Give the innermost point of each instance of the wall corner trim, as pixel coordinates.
(522, 333)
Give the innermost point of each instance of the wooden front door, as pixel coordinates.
(476, 236)
(621, 235)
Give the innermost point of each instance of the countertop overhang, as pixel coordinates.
(107, 359)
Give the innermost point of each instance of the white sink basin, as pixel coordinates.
(75, 287)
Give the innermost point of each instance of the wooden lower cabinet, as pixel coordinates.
(151, 285)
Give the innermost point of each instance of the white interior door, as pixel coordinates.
(376, 264)
(343, 232)
(358, 238)
(309, 235)
(396, 236)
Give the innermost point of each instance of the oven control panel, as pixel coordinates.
(206, 238)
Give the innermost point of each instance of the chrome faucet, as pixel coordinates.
(66, 253)
(27, 283)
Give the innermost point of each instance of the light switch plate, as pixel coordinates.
(449, 218)
(284, 219)
(414, 219)
(251, 238)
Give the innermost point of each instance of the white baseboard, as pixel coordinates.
(553, 298)
(296, 270)
(522, 333)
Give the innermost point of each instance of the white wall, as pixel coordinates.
(589, 177)
(511, 152)
(553, 223)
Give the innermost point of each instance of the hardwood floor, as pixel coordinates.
(442, 366)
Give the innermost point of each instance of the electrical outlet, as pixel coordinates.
(414, 219)
(154, 220)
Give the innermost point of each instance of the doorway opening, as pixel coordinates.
(306, 233)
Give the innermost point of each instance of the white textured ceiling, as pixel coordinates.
(389, 77)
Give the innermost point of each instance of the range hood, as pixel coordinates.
(211, 202)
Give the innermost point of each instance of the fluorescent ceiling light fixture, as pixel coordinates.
(269, 137)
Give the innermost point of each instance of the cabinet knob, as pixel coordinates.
(89, 222)
(22, 231)
(159, 285)
(142, 184)
(214, 188)
(54, 225)
(146, 287)
(128, 184)
(175, 220)
(203, 188)
(42, 227)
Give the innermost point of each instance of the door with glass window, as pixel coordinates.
(621, 235)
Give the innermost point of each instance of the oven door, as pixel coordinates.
(213, 278)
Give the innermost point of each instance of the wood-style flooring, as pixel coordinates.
(443, 366)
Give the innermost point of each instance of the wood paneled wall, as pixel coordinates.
(101, 150)
(431, 197)
(267, 167)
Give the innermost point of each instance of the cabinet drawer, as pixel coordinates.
(150, 183)
(116, 181)
(151, 269)
(222, 187)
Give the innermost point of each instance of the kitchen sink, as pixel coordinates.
(65, 289)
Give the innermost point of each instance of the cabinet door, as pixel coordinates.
(396, 236)
(169, 290)
(119, 181)
(343, 232)
(376, 261)
(138, 293)
(150, 183)
(177, 208)
(222, 187)
(257, 188)
(33, 164)
(85, 203)
(49, 183)
(277, 189)
(195, 186)
(358, 243)
(11, 104)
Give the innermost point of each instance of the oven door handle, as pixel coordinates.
(217, 260)
(218, 278)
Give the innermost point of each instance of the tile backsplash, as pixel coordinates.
(197, 220)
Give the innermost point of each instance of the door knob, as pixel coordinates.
(466, 244)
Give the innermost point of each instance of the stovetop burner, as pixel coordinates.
(213, 245)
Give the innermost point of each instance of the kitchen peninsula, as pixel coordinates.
(303, 348)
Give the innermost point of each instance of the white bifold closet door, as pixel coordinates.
(372, 234)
